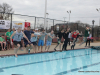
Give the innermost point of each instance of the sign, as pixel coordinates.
(5, 24)
(27, 24)
(17, 24)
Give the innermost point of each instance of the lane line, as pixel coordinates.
(43, 61)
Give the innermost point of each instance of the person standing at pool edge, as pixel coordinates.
(13, 36)
(8, 34)
(69, 37)
(87, 30)
(66, 34)
(88, 39)
(18, 34)
(41, 40)
(49, 40)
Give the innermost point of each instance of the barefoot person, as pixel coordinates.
(49, 40)
(2, 41)
(28, 33)
(33, 40)
(59, 37)
(18, 34)
(41, 40)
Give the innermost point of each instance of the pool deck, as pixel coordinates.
(11, 52)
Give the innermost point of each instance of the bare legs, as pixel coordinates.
(29, 47)
(16, 49)
(39, 48)
(2, 45)
(8, 46)
(47, 48)
(35, 48)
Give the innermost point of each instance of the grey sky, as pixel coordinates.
(84, 10)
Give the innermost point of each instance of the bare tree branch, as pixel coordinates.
(6, 8)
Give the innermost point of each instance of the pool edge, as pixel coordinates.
(38, 52)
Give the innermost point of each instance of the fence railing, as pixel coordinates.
(77, 23)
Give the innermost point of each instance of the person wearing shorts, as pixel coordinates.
(49, 40)
(34, 39)
(18, 34)
(28, 33)
(41, 40)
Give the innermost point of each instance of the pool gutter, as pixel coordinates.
(3, 55)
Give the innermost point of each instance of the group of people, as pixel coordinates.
(73, 37)
(20, 39)
(31, 40)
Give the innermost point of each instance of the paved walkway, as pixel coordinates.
(11, 52)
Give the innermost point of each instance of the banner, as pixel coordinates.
(27, 24)
(4, 24)
(17, 24)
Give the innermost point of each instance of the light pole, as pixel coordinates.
(69, 12)
(38, 23)
(93, 28)
(99, 17)
(45, 14)
(47, 20)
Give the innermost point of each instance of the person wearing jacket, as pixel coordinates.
(66, 34)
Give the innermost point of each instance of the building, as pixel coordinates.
(73, 26)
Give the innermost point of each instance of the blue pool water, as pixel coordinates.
(56, 63)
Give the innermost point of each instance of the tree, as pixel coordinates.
(5, 8)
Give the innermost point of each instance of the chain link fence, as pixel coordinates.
(77, 23)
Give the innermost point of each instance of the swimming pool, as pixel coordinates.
(73, 62)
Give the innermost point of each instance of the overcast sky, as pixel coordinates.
(84, 10)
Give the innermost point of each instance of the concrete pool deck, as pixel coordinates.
(11, 52)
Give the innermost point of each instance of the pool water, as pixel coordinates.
(73, 62)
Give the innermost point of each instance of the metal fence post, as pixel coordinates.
(53, 24)
(35, 23)
(11, 22)
(93, 28)
(77, 26)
